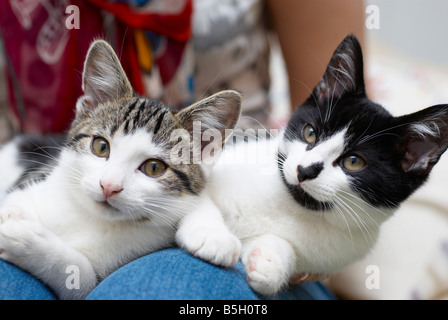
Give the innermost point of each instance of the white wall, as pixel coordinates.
(416, 27)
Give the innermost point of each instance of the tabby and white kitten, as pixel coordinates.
(116, 192)
(344, 165)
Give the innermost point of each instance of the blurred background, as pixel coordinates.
(414, 28)
(411, 43)
(411, 31)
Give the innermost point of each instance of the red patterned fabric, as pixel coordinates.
(45, 59)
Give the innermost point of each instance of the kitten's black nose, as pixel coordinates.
(309, 172)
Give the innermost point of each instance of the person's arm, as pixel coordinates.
(308, 32)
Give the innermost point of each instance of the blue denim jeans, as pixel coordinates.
(169, 274)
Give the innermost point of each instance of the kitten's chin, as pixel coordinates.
(109, 212)
(306, 200)
(301, 196)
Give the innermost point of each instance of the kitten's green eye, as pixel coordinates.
(100, 147)
(153, 168)
(353, 163)
(309, 134)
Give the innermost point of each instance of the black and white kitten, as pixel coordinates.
(343, 165)
(115, 191)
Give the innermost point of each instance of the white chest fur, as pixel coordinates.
(255, 201)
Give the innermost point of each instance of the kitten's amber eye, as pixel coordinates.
(353, 163)
(153, 168)
(309, 134)
(100, 147)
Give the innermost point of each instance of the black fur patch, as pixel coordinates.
(398, 156)
(184, 180)
(37, 156)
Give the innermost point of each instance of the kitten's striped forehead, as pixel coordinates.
(143, 113)
(127, 116)
(139, 113)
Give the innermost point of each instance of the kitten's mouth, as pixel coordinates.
(107, 205)
(306, 200)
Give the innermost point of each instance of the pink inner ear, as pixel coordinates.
(89, 101)
(85, 105)
(418, 155)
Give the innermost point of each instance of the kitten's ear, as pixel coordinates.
(103, 77)
(344, 73)
(424, 140)
(216, 113)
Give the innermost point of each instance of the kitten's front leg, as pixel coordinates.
(28, 244)
(204, 234)
(269, 261)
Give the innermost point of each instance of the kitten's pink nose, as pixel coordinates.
(110, 189)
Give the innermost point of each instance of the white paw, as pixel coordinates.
(10, 214)
(19, 237)
(265, 272)
(216, 246)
